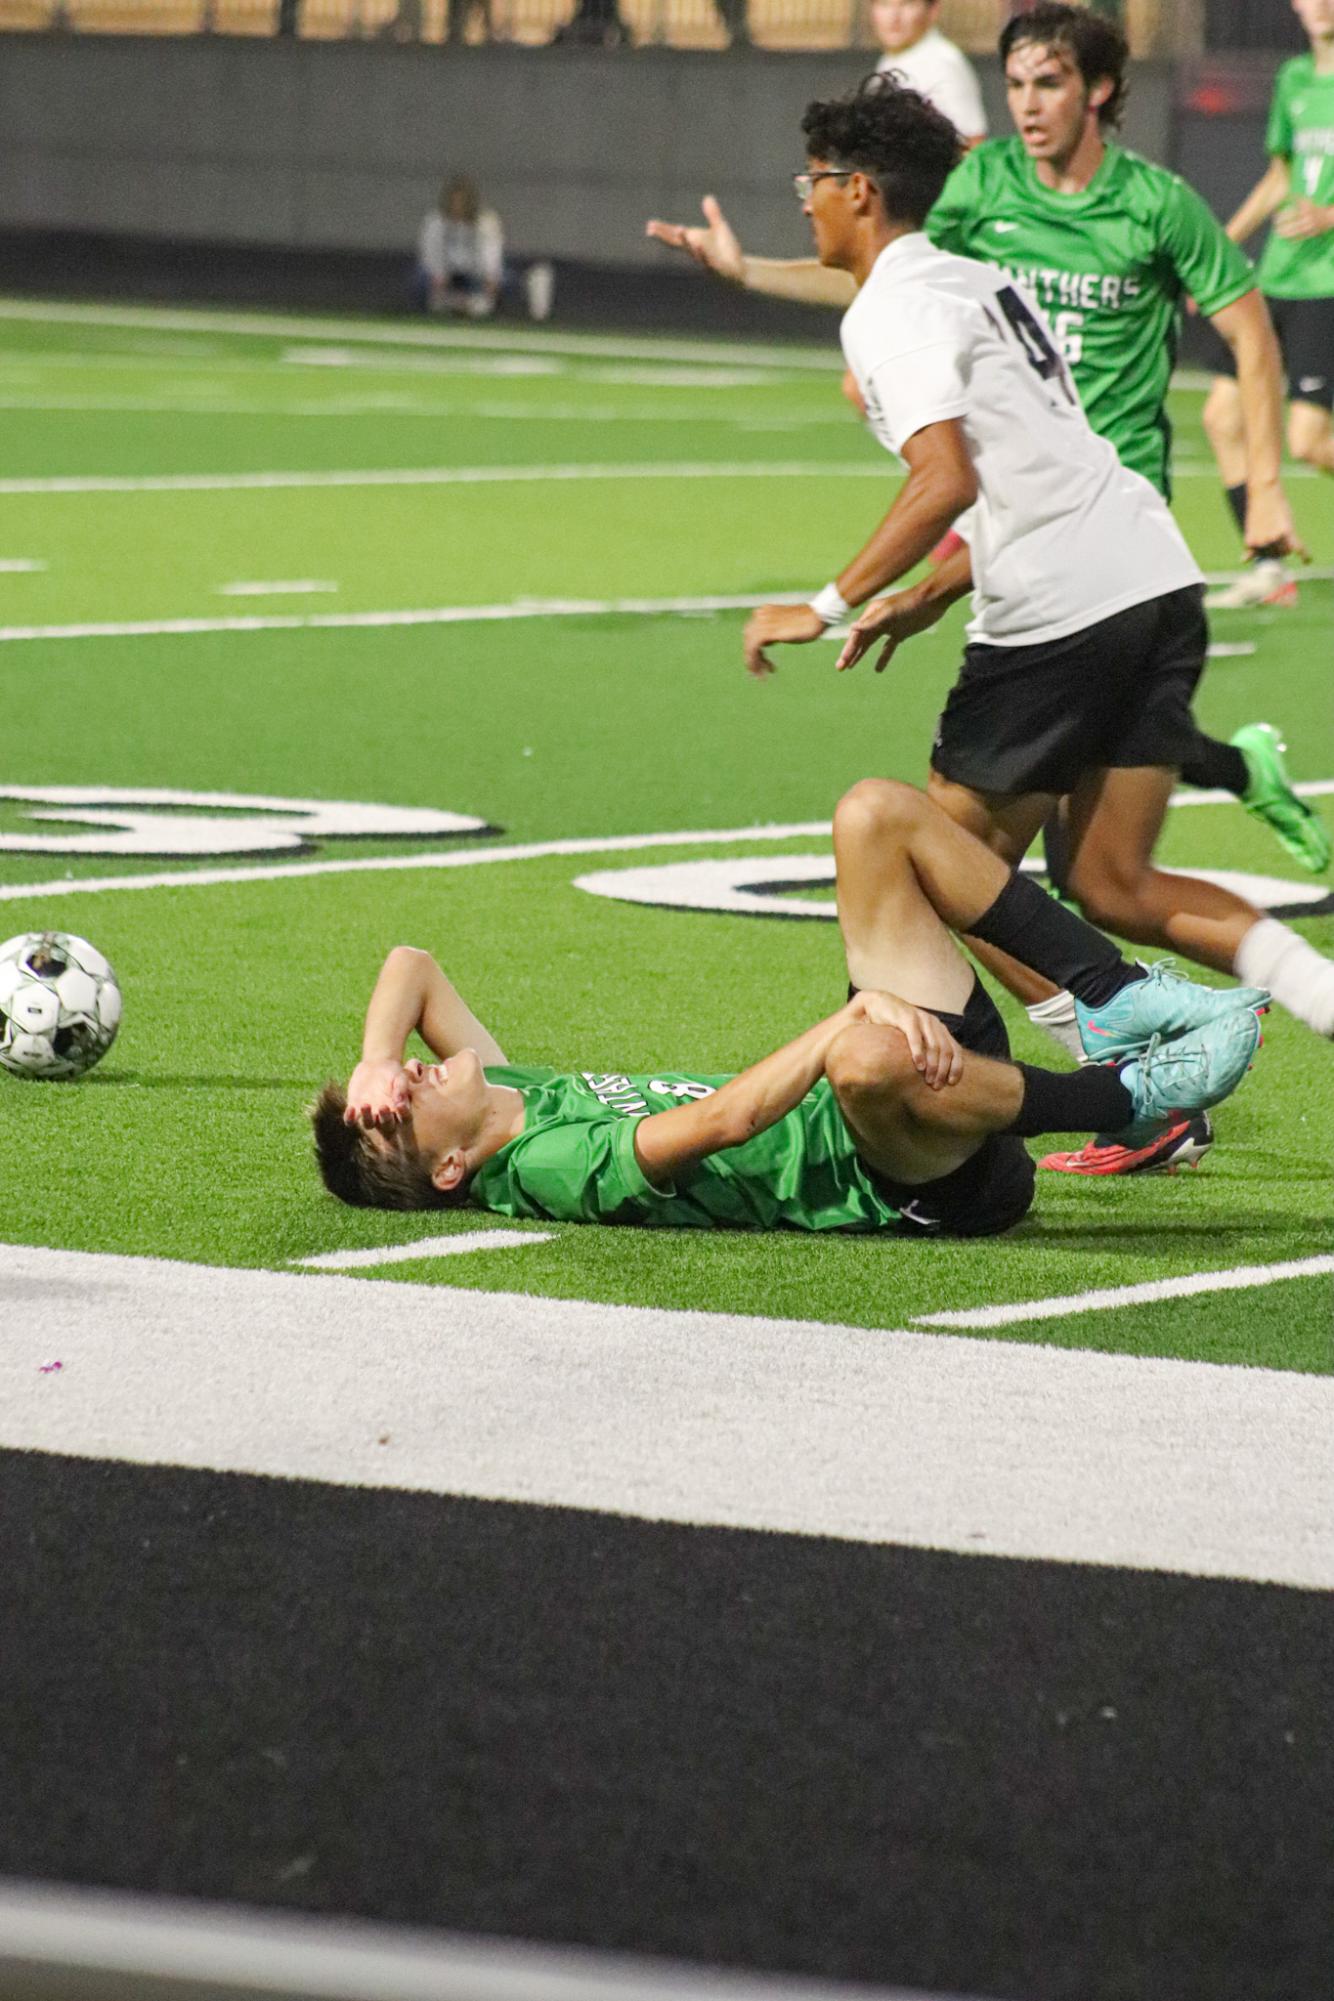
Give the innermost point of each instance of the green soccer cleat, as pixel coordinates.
(1188, 1075)
(1269, 795)
(1161, 1006)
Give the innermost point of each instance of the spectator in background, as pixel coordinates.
(920, 56)
(460, 253)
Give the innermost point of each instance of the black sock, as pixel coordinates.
(1091, 1100)
(1040, 932)
(1212, 763)
(1056, 851)
(1236, 500)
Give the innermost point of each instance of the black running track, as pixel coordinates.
(999, 1778)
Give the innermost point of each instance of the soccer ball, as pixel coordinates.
(59, 1005)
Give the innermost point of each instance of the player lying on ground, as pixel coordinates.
(900, 1110)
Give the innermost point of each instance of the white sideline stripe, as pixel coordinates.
(465, 614)
(19, 566)
(486, 475)
(293, 589)
(934, 1441)
(427, 1247)
(104, 1944)
(1224, 651)
(1240, 1279)
(601, 844)
(1303, 573)
(183, 320)
(455, 614)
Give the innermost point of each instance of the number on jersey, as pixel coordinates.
(1034, 339)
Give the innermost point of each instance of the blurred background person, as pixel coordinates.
(920, 56)
(460, 254)
(1296, 276)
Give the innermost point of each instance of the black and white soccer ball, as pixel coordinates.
(59, 1005)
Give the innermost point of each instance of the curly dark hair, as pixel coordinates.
(1097, 45)
(368, 1176)
(891, 134)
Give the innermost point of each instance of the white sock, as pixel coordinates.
(1299, 977)
(1057, 1016)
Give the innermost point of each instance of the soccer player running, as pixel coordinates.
(1088, 635)
(900, 1112)
(1297, 278)
(1109, 246)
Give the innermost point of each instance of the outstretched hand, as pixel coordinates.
(892, 619)
(377, 1094)
(933, 1049)
(774, 625)
(715, 246)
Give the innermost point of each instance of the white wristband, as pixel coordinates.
(830, 606)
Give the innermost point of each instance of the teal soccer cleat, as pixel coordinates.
(1190, 1074)
(1161, 1005)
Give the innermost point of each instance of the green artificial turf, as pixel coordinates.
(189, 1142)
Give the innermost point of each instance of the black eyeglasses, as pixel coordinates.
(804, 184)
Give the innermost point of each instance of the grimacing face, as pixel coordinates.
(1049, 99)
(446, 1106)
(899, 24)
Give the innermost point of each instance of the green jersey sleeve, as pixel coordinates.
(951, 221)
(1211, 267)
(1278, 132)
(576, 1172)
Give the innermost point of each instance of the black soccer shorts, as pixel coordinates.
(993, 1190)
(1037, 718)
(1305, 329)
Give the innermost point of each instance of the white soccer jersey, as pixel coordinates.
(1062, 534)
(944, 75)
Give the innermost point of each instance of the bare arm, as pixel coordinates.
(1246, 327)
(909, 612)
(716, 248)
(941, 483)
(410, 995)
(803, 279)
(1269, 192)
(668, 1143)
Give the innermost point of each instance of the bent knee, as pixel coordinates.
(1308, 434)
(876, 807)
(1106, 891)
(868, 1061)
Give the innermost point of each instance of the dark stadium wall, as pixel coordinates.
(341, 147)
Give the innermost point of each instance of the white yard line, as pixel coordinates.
(427, 1248)
(465, 614)
(486, 475)
(20, 566)
(457, 858)
(474, 614)
(757, 354)
(1001, 1448)
(453, 858)
(298, 587)
(1242, 1278)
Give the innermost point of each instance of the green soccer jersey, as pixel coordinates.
(1301, 131)
(574, 1161)
(1109, 268)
